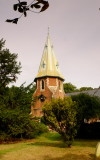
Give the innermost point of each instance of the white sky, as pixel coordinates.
(75, 34)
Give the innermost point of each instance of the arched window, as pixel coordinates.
(42, 84)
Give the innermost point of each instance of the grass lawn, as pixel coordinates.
(48, 147)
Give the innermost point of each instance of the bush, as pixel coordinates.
(88, 107)
(4, 137)
(60, 115)
(37, 128)
(16, 124)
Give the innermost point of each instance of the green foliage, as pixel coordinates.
(85, 88)
(17, 97)
(69, 88)
(88, 106)
(2, 44)
(15, 102)
(15, 121)
(60, 115)
(9, 68)
(17, 124)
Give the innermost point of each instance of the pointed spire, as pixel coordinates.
(49, 65)
(48, 30)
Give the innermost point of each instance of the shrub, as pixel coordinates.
(16, 124)
(60, 115)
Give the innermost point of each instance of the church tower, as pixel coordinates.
(49, 80)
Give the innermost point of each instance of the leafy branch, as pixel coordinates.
(23, 8)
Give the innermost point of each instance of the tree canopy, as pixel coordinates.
(85, 88)
(17, 124)
(9, 67)
(69, 87)
(60, 114)
(15, 120)
(15, 102)
(88, 107)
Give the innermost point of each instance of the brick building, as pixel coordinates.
(49, 80)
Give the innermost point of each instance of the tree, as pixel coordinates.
(15, 120)
(88, 107)
(9, 67)
(60, 114)
(88, 110)
(85, 88)
(17, 124)
(68, 88)
(17, 97)
(23, 8)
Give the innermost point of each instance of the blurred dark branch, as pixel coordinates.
(35, 6)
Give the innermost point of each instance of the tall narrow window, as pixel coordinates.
(42, 85)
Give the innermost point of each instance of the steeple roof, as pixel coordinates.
(49, 65)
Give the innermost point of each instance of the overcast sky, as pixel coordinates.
(75, 34)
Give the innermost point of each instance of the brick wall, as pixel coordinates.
(53, 88)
